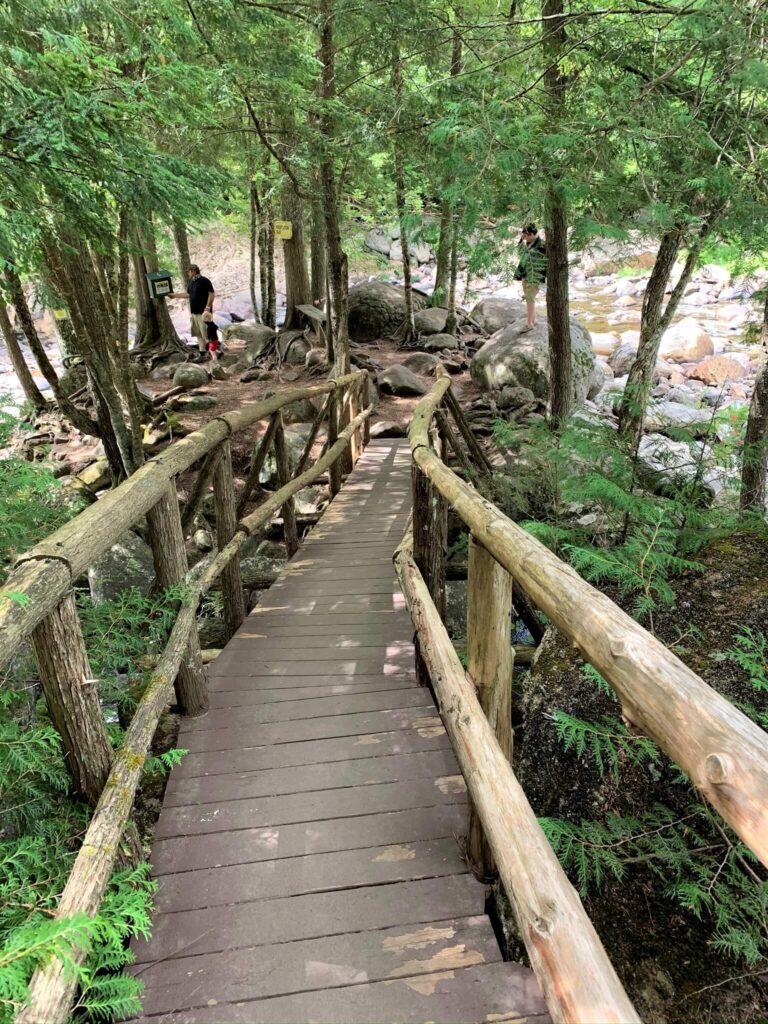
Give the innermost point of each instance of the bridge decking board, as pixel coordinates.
(306, 853)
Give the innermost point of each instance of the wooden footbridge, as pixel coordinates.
(317, 848)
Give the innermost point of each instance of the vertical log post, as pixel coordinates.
(365, 388)
(167, 540)
(73, 699)
(334, 473)
(490, 664)
(226, 523)
(202, 483)
(353, 405)
(284, 477)
(430, 538)
(260, 454)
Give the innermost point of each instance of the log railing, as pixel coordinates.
(723, 752)
(37, 602)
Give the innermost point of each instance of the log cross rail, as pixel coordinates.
(38, 595)
(723, 752)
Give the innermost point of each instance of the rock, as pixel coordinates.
(127, 564)
(421, 362)
(715, 274)
(377, 310)
(399, 380)
(419, 250)
(622, 359)
(718, 370)
(271, 549)
(388, 428)
(626, 287)
(378, 240)
(431, 320)
(256, 336)
(672, 415)
(295, 440)
(217, 371)
(202, 540)
(189, 376)
(162, 372)
(194, 403)
(630, 338)
(255, 374)
(514, 398)
(672, 464)
(294, 347)
(686, 342)
(626, 301)
(701, 298)
(315, 357)
(300, 411)
(495, 312)
(732, 314)
(521, 358)
(307, 500)
(438, 342)
(604, 344)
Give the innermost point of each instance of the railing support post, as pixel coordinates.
(283, 478)
(430, 534)
(73, 698)
(365, 388)
(167, 539)
(490, 660)
(334, 473)
(226, 522)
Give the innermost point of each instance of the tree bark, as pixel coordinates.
(443, 255)
(297, 286)
(559, 328)
(318, 247)
(755, 457)
(337, 258)
(408, 330)
(72, 697)
(167, 336)
(32, 392)
(654, 321)
(450, 320)
(128, 382)
(181, 242)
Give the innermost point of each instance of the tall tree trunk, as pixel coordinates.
(318, 262)
(453, 274)
(443, 255)
(297, 287)
(254, 243)
(32, 392)
(167, 336)
(559, 328)
(129, 388)
(407, 332)
(107, 296)
(337, 258)
(181, 241)
(755, 457)
(654, 321)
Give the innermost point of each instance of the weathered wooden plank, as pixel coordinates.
(245, 846)
(221, 698)
(230, 683)
(289, 711)
(332, 962)
(486, 992)
(304, 917)
(286, 755)
(351, 666)
(304, 778)
(317, 872)
(311, 806)
(306, 629)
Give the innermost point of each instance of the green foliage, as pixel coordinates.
(750, 653)
(607, 741)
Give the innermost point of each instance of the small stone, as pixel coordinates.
(202, 540)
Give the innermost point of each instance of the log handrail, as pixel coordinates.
(724, 753)
(52, 987)
(44, 574)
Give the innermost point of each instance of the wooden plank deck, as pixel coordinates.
(306, 852)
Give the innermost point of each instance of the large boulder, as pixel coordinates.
(495, 312)
(686, 342)
(377, 309)
(431, 320)
(665, 417)
(254, 335)
(294, 347)
(399, 380)
(190, 376)
(621, 360)
(421, 362)
(521, 358)
(438, 342)
(718, 370)
(126, 565)
(378, 240)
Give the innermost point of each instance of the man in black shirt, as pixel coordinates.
(201, 295)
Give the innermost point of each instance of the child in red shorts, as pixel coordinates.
(212, 340)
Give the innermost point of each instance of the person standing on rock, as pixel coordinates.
(201, 295)
(531, 270)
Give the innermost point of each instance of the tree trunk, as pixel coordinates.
(128, 382)
(654, 322)
(181, 242)
(167, 336)
(32, 392)
(107, 297)
(755, 457)
(337, 258)
(443, 255)
(450, 320)
(559, 329)
(318, 252)
(408, 331)
(297, 286)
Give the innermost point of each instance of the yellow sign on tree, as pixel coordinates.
(283, 229)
